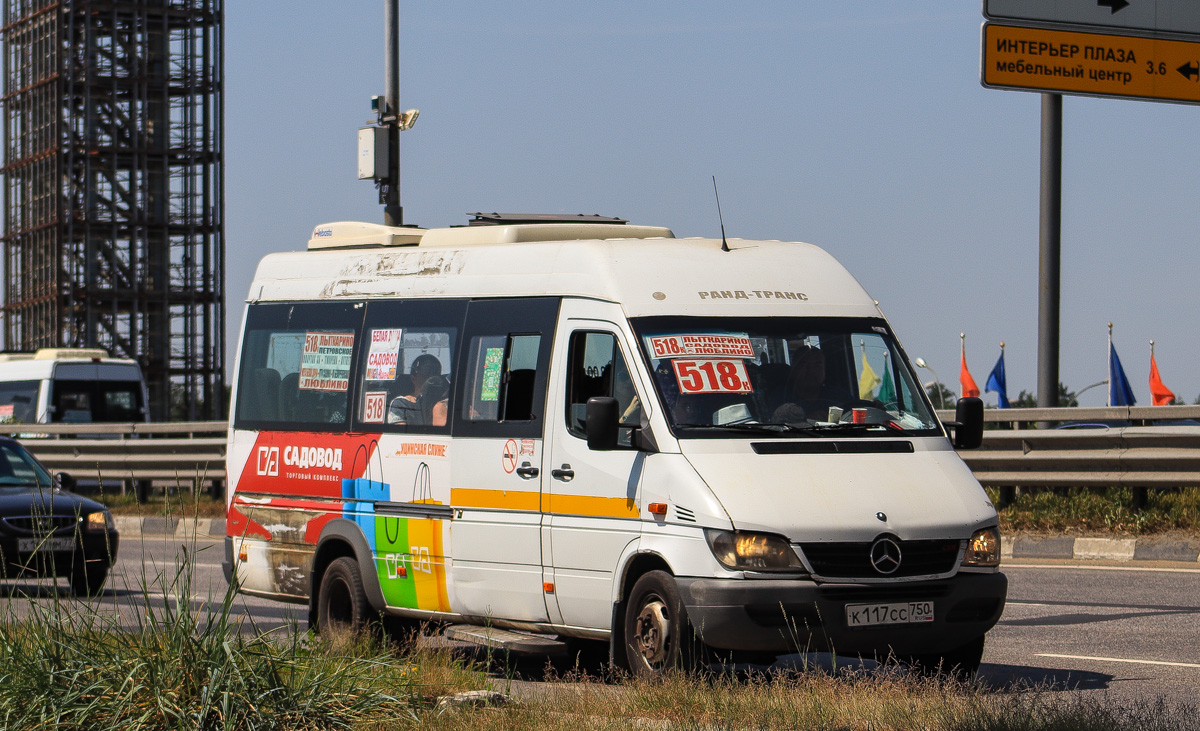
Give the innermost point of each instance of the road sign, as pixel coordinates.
(1097, 64)
(1156, 16)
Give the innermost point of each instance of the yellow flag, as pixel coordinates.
(868, 380)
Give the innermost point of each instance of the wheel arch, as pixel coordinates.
(342, 537)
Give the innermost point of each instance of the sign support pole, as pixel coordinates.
(393, 214)
(1049, 251)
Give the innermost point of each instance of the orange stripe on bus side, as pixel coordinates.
(467, 497)
(601, 507)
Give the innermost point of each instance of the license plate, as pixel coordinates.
(44, 545)
(869, 615)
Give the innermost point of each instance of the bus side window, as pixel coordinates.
(505, 365)
(296, 363)
(503, 372)
(597, 368)
(406, 375)
(18, 402)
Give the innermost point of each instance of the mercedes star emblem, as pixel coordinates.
(885, 556)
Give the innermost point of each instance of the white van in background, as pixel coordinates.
(71, 386)
(686, 448)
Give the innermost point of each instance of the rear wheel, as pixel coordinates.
(960, 664)
(658, 636)
(342, 603)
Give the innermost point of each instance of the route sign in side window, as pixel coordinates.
(505, 365)
(406, 375)
(296, 366)
(597, 368)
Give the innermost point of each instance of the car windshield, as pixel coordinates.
(18, 468)
(783, 376)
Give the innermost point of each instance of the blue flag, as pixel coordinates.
(997, 382)
(1119, 391)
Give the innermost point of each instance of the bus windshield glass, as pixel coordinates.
(783, 376)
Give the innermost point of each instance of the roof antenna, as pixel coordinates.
(724, 243)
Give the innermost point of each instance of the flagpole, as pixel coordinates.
(1110, 373)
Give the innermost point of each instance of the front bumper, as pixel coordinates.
(796, 615)
(90, 546)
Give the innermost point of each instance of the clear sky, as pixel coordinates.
(857, 126)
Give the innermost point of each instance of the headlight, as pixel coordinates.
(752, 551)
(99, 520)
(983, 549)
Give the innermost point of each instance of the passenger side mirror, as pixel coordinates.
(968, 423)
(64, 481)
(602, 423)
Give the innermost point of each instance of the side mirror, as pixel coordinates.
(602, 421)
(64, 481)
(968, 426)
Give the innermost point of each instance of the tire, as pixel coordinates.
(87, 581)
(342, 602)
(658, 636)
(961, 664)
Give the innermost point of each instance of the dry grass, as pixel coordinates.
(1082, 511)
(875, 702)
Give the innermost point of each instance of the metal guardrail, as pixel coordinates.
(181, 453)
(1138, 447)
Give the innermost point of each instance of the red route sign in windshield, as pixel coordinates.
(712, 376)
(713, 346)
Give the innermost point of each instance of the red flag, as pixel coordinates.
(1161, 394)
(969, 389)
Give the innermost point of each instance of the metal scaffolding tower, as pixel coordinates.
(113, 188)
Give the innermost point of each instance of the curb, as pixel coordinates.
(132, 527)
(1106, 549)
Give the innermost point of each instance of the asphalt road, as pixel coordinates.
(1127, 631)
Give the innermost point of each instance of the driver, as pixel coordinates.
(806, 395)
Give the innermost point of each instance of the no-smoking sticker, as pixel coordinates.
(508, 457)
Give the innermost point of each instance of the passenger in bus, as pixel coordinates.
(807, 396)
(427, 403)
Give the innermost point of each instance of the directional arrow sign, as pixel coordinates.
(1157, 16)
(1096, 64)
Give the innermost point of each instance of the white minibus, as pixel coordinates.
(690, 449)
(70, 385)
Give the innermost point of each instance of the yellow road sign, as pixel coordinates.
(1090, 63)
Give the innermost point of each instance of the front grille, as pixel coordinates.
(853, 560)
(42, 524)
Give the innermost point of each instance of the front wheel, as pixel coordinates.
(342, 603)
(658, 635)
(87, 581)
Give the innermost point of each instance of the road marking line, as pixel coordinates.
(1121, 659)
(1099, 568)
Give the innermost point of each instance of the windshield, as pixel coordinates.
(783, 376)
(17, 468)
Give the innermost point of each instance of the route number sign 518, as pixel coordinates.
(712, 376)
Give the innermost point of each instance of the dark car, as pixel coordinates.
(46, 531)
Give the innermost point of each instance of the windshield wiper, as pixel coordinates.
(743, 426)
